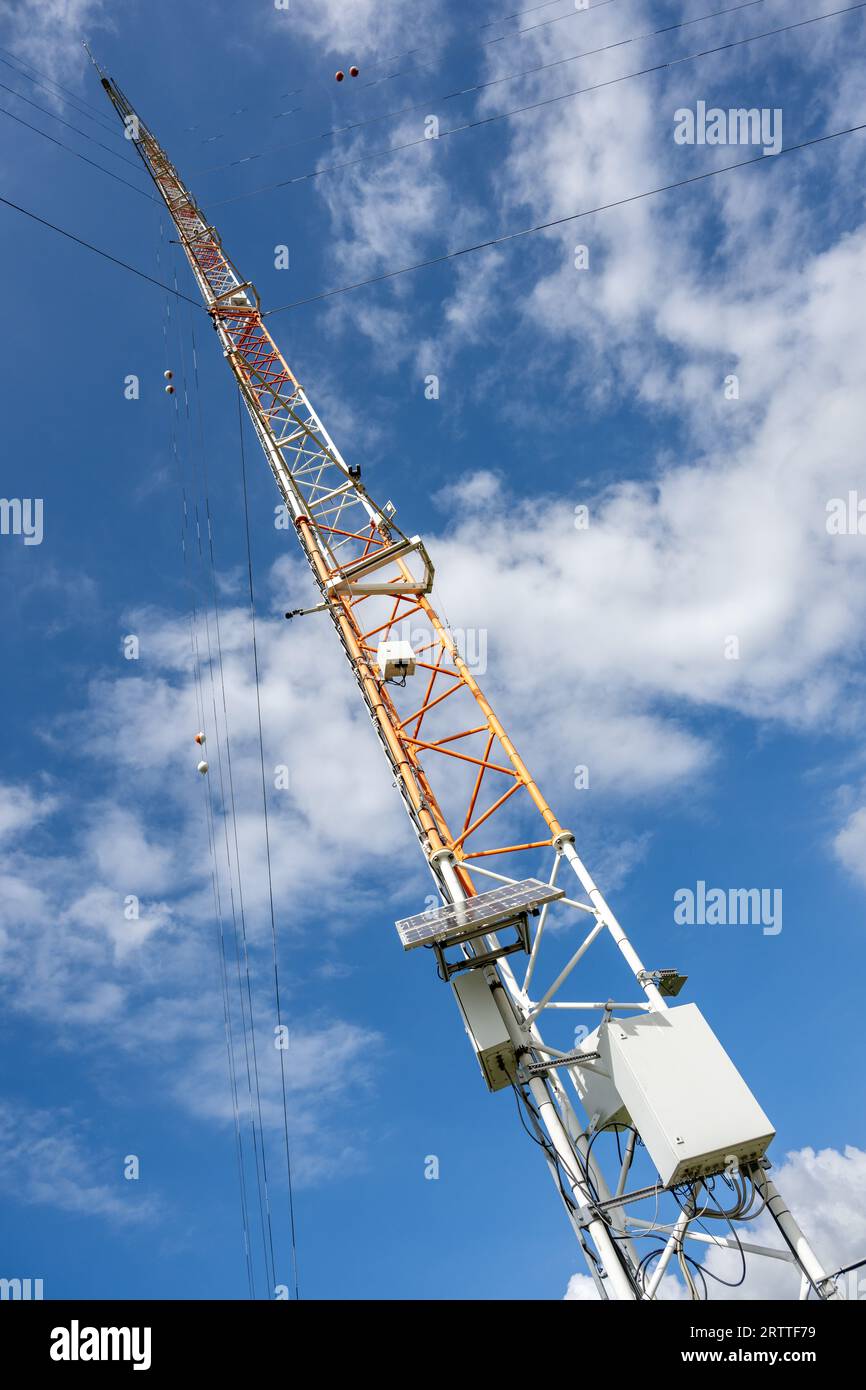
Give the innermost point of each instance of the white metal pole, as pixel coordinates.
(676, 1239)
(566, 970)
(595, 896)
(795, 1238)
(596, 1228)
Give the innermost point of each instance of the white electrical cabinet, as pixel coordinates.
(667, 1074)
(487, 1032)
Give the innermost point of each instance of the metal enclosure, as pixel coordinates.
(668, 1073)
(486, 1029)
(395, 659)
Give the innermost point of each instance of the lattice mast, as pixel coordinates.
(461, 779)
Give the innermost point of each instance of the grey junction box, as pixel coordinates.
(487, 1031)
(667, 1073)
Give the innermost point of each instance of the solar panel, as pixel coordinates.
(461, 921)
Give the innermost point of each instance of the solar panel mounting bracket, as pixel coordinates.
(466, 925)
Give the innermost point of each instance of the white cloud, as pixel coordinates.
(345, 28)
(474, 491)
(849, 844)
(47, 1159)
(581, 1289)
(112, 936)
(125, 855)
(48, 34)
(21, 809)
(826, 1191)
(610, 633)
(330, 1067)
(606, 642)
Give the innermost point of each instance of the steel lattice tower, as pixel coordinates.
(460, 776)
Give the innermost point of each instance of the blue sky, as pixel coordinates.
(558, 387)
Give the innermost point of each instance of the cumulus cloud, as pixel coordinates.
(703, 581)
(48, 1159)
(368, 33)
(826, 1190)
(116, 931)
(48, 34)
(21, 808)
(849, 844)
(731, 541)
(581, 1289)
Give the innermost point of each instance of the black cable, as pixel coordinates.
(261, 1173)
(530, 28)
(250, 1049)
(418, 67)
(105, 254)
(730, 1284)
(789, 1242)
(653, 1254)
(488, 43)
(539, 1138)
(209, 820)
(465, 91)
(679, 1247)
(78, 155)
(603, 1129)
(241, 907)
(699, 1269)
(133, 163)
(847, 1269)
(560, 221)
(750, 1215)
(532, 106)
(518, 14)
(643, 1266)
(77, 103)
(690, 1196)
(582, 1164)
(536, 1138)
(268, 852)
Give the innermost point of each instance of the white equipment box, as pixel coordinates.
(667, 1073)
(487, 1032)
(395, 659)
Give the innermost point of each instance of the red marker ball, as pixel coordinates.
(339, 76)
(353, 72)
